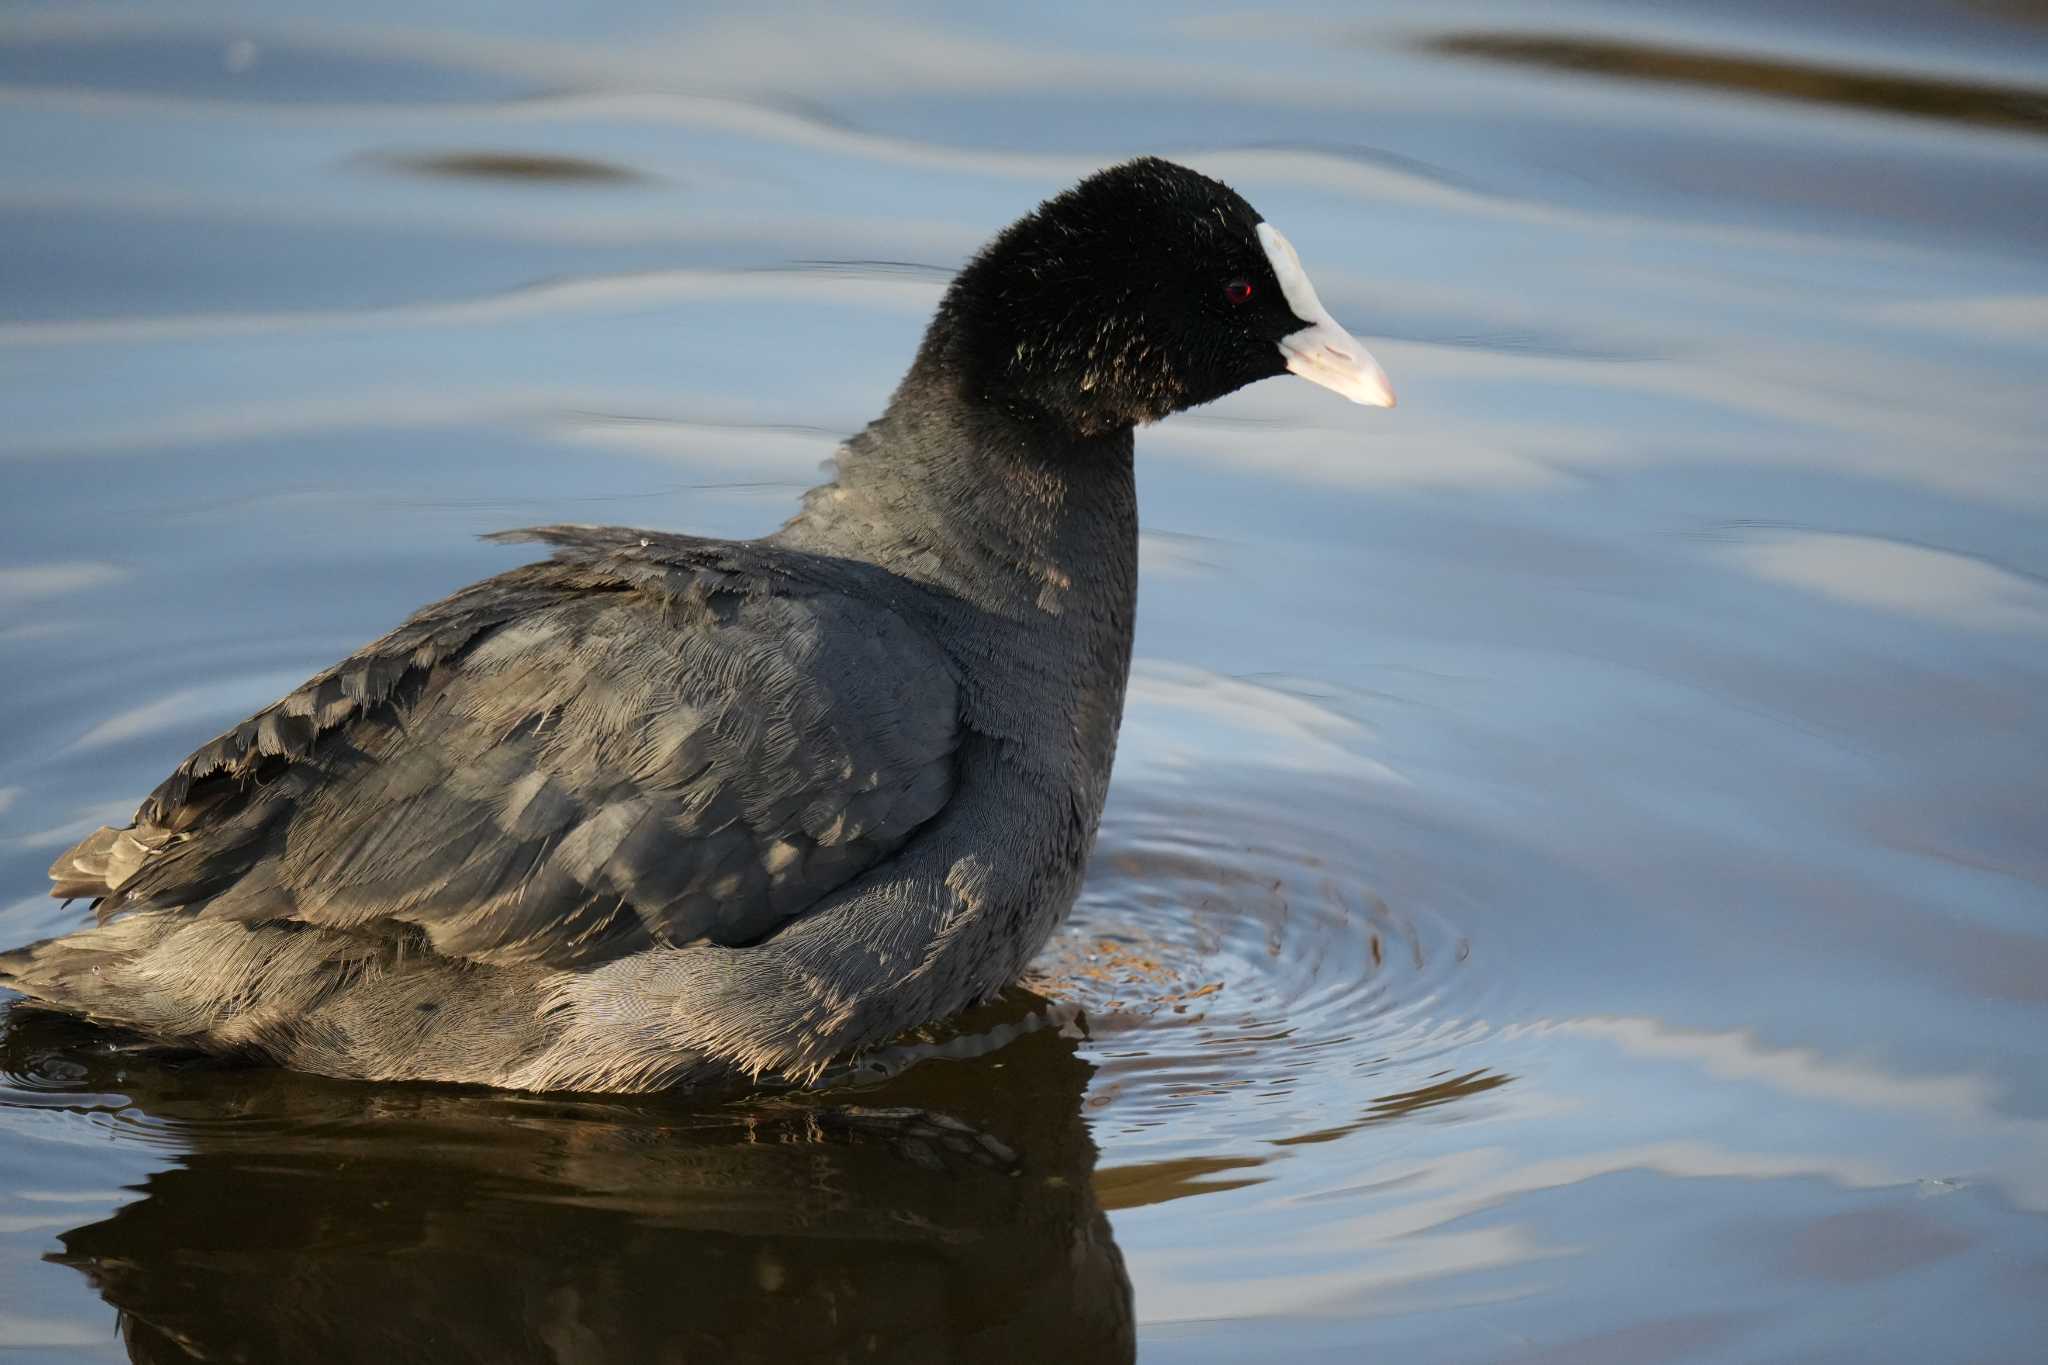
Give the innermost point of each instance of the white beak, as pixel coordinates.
(1322, 352)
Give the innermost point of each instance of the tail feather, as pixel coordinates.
(14, 962)
(99, 863)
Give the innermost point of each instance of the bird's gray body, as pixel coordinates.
(660, 809)
(667, 809)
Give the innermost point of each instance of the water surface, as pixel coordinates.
(1576, 883)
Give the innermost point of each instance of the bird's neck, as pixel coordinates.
(997, 507)
(1028, 537)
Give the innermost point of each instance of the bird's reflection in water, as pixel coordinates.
(947, 1214)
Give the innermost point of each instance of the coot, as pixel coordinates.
(664, 809)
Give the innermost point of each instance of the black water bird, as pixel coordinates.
(663, 809)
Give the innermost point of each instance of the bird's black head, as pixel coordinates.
(1145, 289)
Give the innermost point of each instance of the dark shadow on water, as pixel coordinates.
(946, 1215)
(1405, 1103)
(1160, 1182)
(518, 167)
(2016, 108)
(2019, 11)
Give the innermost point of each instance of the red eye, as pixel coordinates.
(1238, 291)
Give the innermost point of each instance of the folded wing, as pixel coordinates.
(640, 742)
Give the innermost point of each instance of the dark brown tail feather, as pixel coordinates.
(99, 863)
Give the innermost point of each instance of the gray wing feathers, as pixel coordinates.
(636, 744)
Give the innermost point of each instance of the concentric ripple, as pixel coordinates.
(1240, 951)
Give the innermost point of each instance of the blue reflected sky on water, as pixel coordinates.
(1671, 662)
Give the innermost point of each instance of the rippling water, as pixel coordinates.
(1575, 884)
